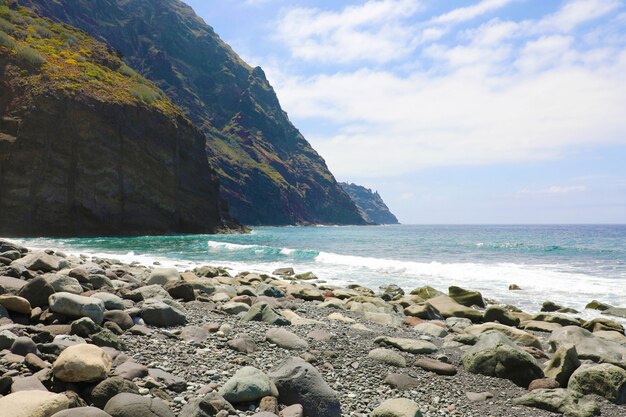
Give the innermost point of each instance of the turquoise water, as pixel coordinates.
(566, 264)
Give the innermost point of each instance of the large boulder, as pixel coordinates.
(163, 276)
(588, 346)
(77, 306)
(40, 261)
(133, 405)
(495, 355)
(426, 293)
(562, 364)
(518, 336)
(501, 315)
(397, 407)
(247, 385)
(447, 307)
(606, 380)
(466, 297)
(82, 363)
(37, 291)
(25, 404)
(64, 283)
(157, 313)
(562, 401)
(298, 382)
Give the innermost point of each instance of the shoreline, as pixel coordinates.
(367, 346)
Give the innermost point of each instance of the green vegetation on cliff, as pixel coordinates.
(269, 173)
(89, 147)
(57, 57)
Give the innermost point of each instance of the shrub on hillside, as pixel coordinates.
(145, 93)
(6, 40)
(30, 57)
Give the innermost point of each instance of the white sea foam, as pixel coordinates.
(230, 246)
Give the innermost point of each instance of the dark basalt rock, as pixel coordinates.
(268, 171)
(370, 203)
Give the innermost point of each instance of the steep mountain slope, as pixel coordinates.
(269, 173)
(87, 146)
(370, 203)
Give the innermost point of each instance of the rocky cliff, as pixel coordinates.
(268, 171)
(371, 204)
(87, 146)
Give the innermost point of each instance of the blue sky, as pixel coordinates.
(483, 111)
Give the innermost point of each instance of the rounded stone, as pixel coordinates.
(82, 363)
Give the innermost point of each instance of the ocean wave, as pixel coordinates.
(229, 246)
(262, 250)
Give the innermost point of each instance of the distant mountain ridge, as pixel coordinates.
(268, 172)
(370, 203)
(89, 147)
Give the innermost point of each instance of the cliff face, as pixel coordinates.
(371, 204)
(269, 173)
(89, 148)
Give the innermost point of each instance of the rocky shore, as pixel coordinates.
(95, 337)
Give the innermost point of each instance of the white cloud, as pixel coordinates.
(555, 189)
(504, 92)
(464, 14)
(374, 31)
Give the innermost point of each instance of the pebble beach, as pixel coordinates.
(99, 337)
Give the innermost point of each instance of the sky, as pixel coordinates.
(457, 112)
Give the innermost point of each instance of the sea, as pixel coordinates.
(568, 264)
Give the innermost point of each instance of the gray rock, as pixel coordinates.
(158, 313)
(269, 291)
(109, 388)
(388, 357)
(397, 407)
(7, 339)
(562, 365)
(111, 301)
(194, 334)
(263, 312)
(23, 346)
(298, 382)
(501, 315)
(285, 339)
(30, 383)
(163, 276)
(247, 385)
(401, 382)
(606, 380)
(119, 317)
(616, 312)
(588, 346)
(407, 345)
(495, 355)
(130, 370)
(243, 344)
(37, 291)
(147, 292)
(235, 308)
(11, 285)
(84, 327)
(40, 261)
(207, 406)
(466, 297)
(64, 283)
(561, 401)
(73, 305)
(132, 405)
(82, 412)
(438, 367)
